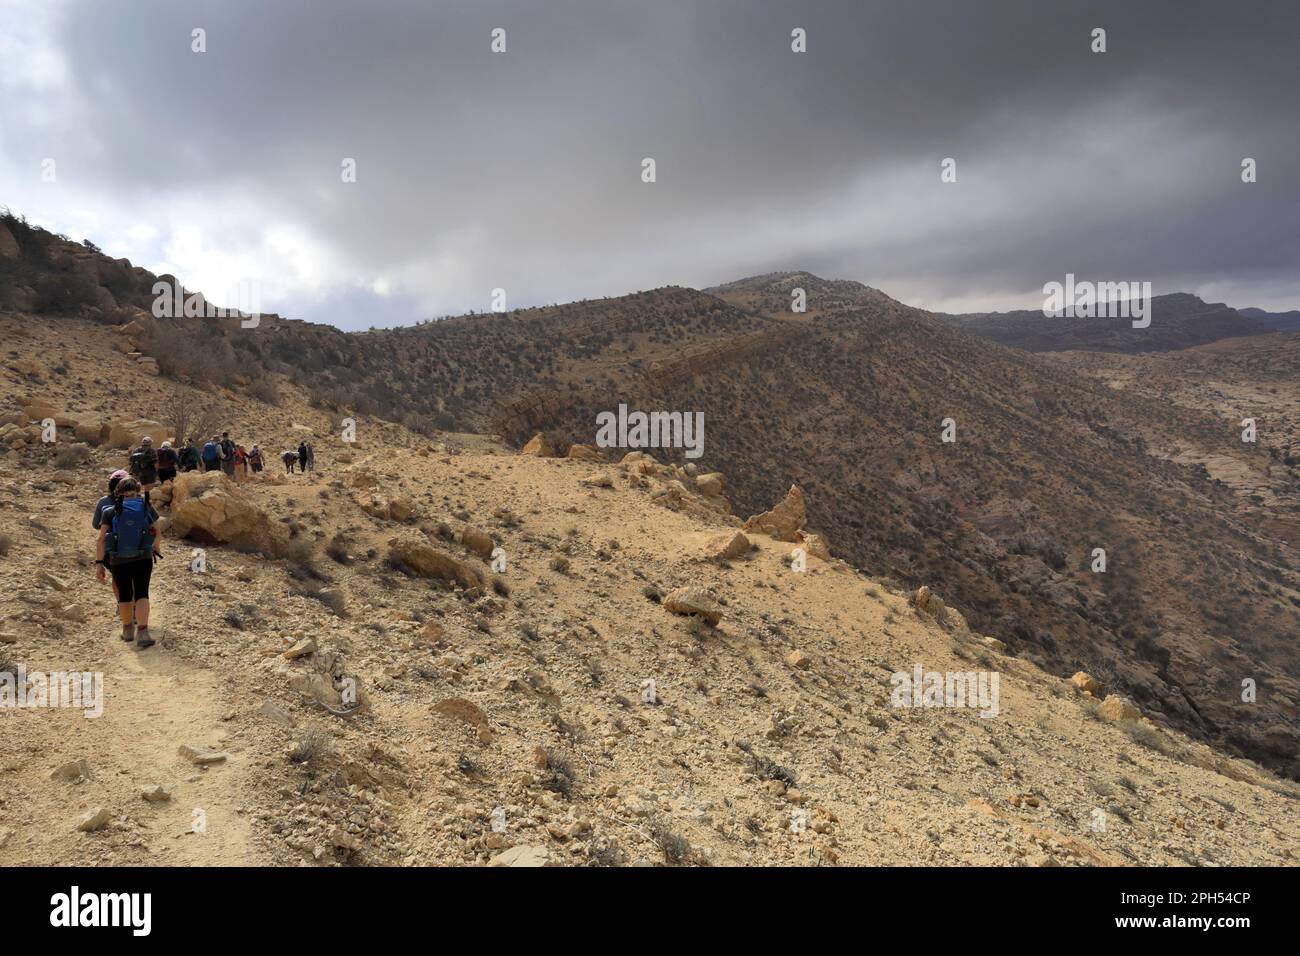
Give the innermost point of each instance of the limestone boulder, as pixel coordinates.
(1116, 708)
(39, 409)
(539, 447)
(93, 431)
(427, 561)
(927, 602)
(710, 484)
(784, 520)
(128, 434)
(1085, 683)
(814, 545)
(210, 508)
(694, 601)
(727, 547)
(476, 540)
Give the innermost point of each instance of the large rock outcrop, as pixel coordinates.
(93, 431)
(38, 409)
(539, 447)
(696, 602)
(211, 509)
(128, 434)
(783, 521)
(424, 559)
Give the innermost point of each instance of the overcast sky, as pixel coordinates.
(522, 170)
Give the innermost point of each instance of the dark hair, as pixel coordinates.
(127, 486)
(112, 483)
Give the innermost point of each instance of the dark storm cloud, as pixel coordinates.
(522, 170)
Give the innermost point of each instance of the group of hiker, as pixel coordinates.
(129, 543)
(150, 465)
(304, 458)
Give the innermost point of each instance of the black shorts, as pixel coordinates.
(132, 579)
(166, 474)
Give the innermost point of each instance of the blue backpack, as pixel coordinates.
(129, 538)
(210, 452)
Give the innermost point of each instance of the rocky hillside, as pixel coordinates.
(1254, 377)
(347, 680)
(1178, 321)
(849, 399)
(1046, 467)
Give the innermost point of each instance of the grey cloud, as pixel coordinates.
(522, 170)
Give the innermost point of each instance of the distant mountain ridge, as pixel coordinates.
(1282, 321)
(1178, 321)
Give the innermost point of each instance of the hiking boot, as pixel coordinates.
(143, 639)
(128, 632)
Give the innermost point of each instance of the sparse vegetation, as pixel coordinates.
(312, 749)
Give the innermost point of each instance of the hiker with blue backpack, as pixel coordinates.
(127, 549)
(212, 454)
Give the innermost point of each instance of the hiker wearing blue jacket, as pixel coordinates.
(127, 549)
(212, 454)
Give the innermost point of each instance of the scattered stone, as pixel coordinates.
(798, 660)
(476, 540)
(697, 601)
(814, 545)
(539, 447)
(202, 756)
(344, 840)
(156, 794)
(276, 714)
(317, 687)
(400, 508)
(301, 649)
(96, 819)
(1086, 684)
(429, 562)
(927, 602)
(45, 577)
(463, 710)
(77, 769)
(727, 547)
(522, 856)
(710, 484)
(584, 453)
(1116, 708)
